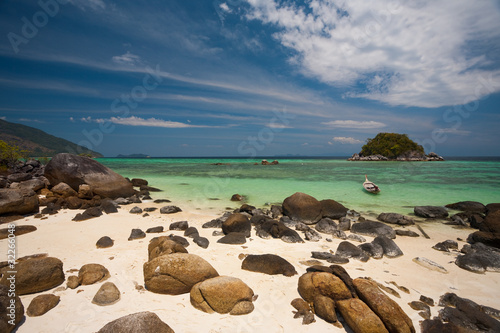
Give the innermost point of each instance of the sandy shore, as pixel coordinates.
(74, 244)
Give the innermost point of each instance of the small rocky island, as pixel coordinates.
(393, 147)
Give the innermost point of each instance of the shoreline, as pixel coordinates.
(273, 312)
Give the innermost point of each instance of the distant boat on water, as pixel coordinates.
(370, 187)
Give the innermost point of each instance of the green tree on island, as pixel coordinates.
(390, 145)
(10, 154)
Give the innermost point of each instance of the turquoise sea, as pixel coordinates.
(198, 184)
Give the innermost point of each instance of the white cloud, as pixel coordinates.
(346, 140)
(426, 53)
(354, 124)
(225, 7)
(72, 119)
(127, 59)
(452, 131)
(150, 122)
(86, 119)
(3, 118)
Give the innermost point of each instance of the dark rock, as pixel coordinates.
(164, 245)
(344, 224)
(326, 225)
(235, 238)
(104, 242)
(201, 242)
(257, 220)
(348, 250)
(359, 316)
(176, 273)
(391, 249)
(276, 211)
(468, 315)
(374, 250)
(18, 231)
(421, 306)
(76, 170)
(109, 206)
(35, 184)
(222, 294)
(487, 238)
(170, 210)
(154, 230)
(178, 239)
(303, 311)
(339, 234)
(42, 304)
(137, 182)
(332, 209)
(237, 223)
(491, 222)
(437, 326)
(19, 177)
(236, 197)
(146, 188)
(20, 202)
(136, 210)
(475, 220)
(85, 191)
(312, 235)
(303, 207)
(134, 199)
(108, 294)
(246, 208)
(277, 229)
(433, 212)
(479, 261)
(373, 229)
(161, 201)
(137, 322)
(492, 207)
(407, 233)
(150, 209)
(427, 300)
(64, 190)
(74, 202)
(446, 246)
(451, 299)
(181, 225)
(391, 314)
(395, 219)
(4, 183)
(356, 238)
(136, 234)
(330, 257)
(216, 223)
(89, 213)
(92, 273)
(10, 318)
(268, 264)
(35, 275)
(471, 206)
(191, 232)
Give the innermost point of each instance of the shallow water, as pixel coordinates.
(199, 184)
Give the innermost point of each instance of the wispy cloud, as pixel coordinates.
(149, 122)
(127, 59)
(346, 140)
(354, 124)
(453, 131)
(26, 120)
(426, 53)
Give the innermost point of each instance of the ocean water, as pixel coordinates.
(198, 184)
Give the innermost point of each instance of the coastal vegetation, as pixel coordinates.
(10, 154)
(391, 145)
(38, 142)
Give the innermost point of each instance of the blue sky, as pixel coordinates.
(253, 77)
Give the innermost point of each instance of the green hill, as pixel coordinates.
(37, 142)
(391, 145)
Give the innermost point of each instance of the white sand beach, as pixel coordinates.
(74, 244)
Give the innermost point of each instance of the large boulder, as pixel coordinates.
(360, 317)
(222, 294)
(18, 201)
(35, 275)
(373, 229)
(322, 283)
(268, 264)
(431, 212)
(140, 322)
(11, 314)
(487, 238)
(391, 314)
(176, 273)
(395, 218)
(333, 209)
(467, 206)
(92, 273)
(237, 223)
(303, 207)
(491, 222)
(77, 170)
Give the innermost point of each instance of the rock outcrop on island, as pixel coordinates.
(77, 170)
(393, 147)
